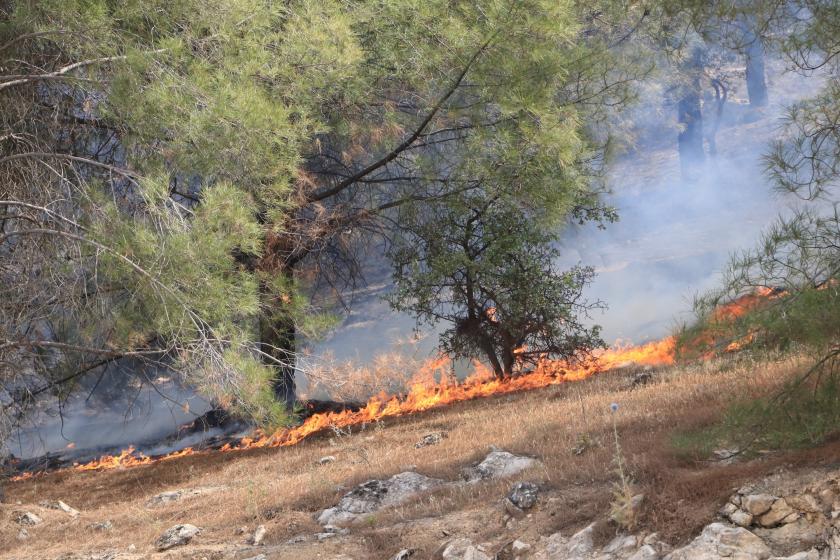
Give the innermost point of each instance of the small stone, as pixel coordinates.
(102, 525)
(431, 439)
(646, 552)
(23, 534)
(519, 547)
(177, 535)
(581, 543)
(404, 554)
(258, 557)
(324, 536)
(326, 460)
(61, 506)
(728, 509)
(297, 539)
(132, 548)
(757, 504)
(741, 518)
(512, 510)
(28, 518)
(258, 536)
(523, 495)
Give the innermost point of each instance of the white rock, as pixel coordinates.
(757, 504)
(23, 534)
(780, 513)
(647, 552)
(808, 555)
(28, 518)
(404, 554)
(621, 544)
(326, 460)
(374, 495)
(581, 543)
(176, 536)
(519, 547)
(59, 505)
(258, 536)
(721, 541)
(499, 464)
(258, 557)
(741, 518)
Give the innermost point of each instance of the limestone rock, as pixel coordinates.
(812, 554)
(621, 544)
(177, 495)
(757, 504)
(178, 535)
(404, 554)
(523, 495)
(780, 513)
(28, 518)
(499, 464)
(326, 460)
(719, 541)
(61, 506)
(102, 525)
(794, 537)
(462, 549)
(431, 439)
(373, 495)
(646, 552)
(258, 536)
(741, 518)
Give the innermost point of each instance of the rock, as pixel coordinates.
(176, 495)
(297, 539)
(523, 495)
(805, 503)
(258, 536)
(646, 552)
(178, 535)
(796, 536)
(581, 543)
(780, 512)
(102, 525)
(741, 518)
(462, 549)
(131, 548)
(518, 547)
(721, 541)
(431, 439)
(326, 460)
(28, 518)
(512, 510)
(258, 557)
(621, 544)
(325, 536)
(23, 534)
(499, 464)
(757, 504)
(404, 554)
(374, 495)
(812, 554)
(61, 506)
(728, 509)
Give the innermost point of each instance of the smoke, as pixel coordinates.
(107, 413)
(672, 241)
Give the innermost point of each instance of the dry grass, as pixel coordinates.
(284, 488)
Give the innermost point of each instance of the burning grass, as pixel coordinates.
(282, 488)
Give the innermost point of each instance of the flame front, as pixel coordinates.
(431, 387)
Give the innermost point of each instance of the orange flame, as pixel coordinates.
(430, 388)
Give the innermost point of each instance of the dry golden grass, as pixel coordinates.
(284, 488)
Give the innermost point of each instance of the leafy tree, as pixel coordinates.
(182, 174)
(486, 267)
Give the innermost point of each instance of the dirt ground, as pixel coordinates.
(285, 488)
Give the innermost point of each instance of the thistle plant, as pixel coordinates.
(622, 509)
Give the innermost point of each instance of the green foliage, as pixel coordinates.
(802, 415)
(486, 267)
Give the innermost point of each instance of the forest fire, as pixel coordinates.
(433, 386)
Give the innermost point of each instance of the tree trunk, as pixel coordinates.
(278, 338)
(490, 352)
(756, 84)
(690, 139)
